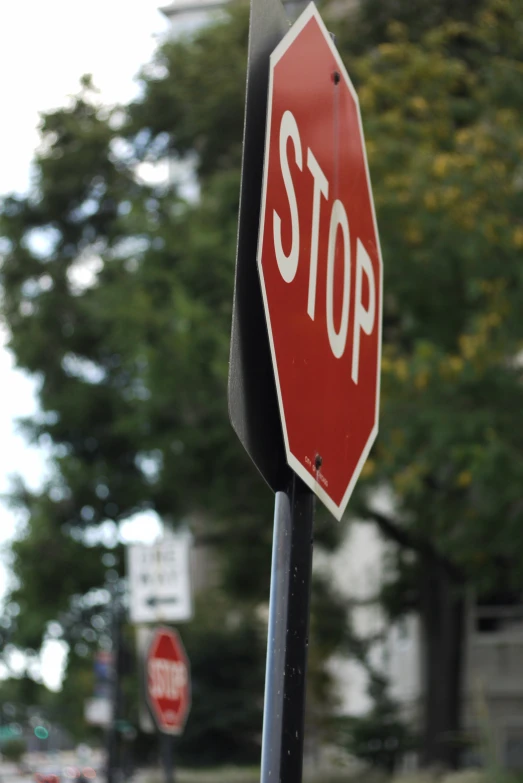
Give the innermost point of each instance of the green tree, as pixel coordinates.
(13, 749)
(118, 298)
(227, 654)
(118, 295)
(441, 116)
(374, 21)
(380, 738)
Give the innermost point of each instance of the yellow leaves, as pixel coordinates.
(371, 147)
(470, 344)
(451, 367)
(403, 197)
(398, 182)
(506, 117)
(409, 479)
(446, 163)
(464, 137)
(414, 373)
(368, 469)
(490, 321)
(490, 434)
(430, 201)
(464, 479)
(367, 98)
(483, 143)
(401, 369)
(441, 164)
(517, 237)
(456, 364)
(493, 287)
(413, 236)
(425, 350)
(421, 379)
(482, 346)
(419, 105)
(498, 305)
(397, 437)
(487, 19)
(465, 220)
(450, 195)
(398, 31)
(386, 364)
(392, 52)
(489, 231)
(397, 367)
(466, 212)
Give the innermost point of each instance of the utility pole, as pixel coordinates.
(113, 738)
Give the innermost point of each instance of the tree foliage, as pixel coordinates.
(444, 149)
(120, 302)
(441, 109)
(13, 749)
(118, 296)
(380, 738)
(227, 673)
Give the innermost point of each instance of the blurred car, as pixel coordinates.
(24, 768)
(84, 774)
(48, 775)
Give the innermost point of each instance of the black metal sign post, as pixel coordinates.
(254, 413)
(167, 755)
(288, 635)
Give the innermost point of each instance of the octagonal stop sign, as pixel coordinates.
(320, 263)
(168, 686)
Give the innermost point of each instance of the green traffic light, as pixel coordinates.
(41, 732)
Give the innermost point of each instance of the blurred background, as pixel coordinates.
(120, 159)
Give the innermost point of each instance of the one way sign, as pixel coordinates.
(159, 582)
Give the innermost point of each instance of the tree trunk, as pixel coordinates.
(443, 609)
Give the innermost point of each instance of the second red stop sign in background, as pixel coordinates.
(168, 681)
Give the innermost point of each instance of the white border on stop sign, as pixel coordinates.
(312, 12)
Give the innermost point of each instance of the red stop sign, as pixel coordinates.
(168, 683)
(320, 264)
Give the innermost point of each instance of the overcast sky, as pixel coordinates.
(45, 47)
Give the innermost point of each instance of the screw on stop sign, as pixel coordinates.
(320, 264)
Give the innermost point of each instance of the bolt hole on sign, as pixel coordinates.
(320, 263)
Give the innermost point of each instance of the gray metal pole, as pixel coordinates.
(113, 738)
(288, 636)
(274, 674)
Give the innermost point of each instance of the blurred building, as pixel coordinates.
(493, 676)
(357, 572)
(185, 16)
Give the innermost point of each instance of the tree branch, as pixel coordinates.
(391, 529)
(408, 540)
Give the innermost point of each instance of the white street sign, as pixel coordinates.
(98, 712)
(159, 580)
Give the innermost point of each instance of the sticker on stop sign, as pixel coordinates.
(320, 264)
